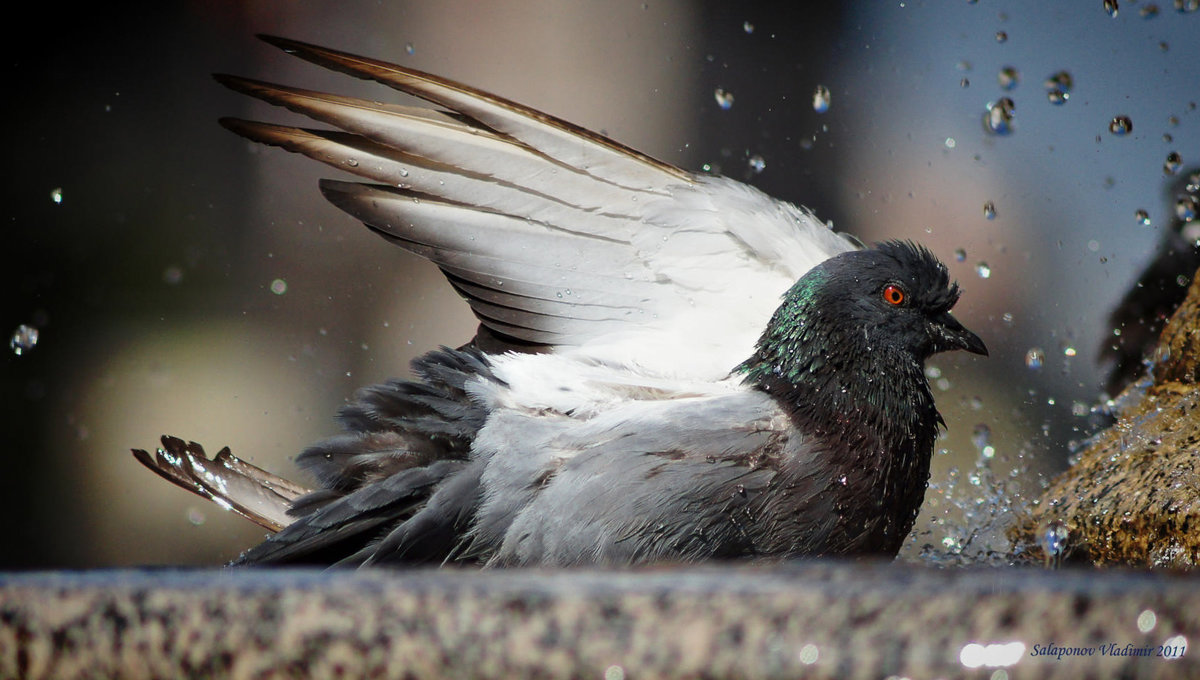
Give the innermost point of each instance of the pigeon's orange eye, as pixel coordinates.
(894, 295)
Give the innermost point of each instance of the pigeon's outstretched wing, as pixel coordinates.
(557, 237)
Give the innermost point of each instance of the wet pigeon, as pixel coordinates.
(669, 366)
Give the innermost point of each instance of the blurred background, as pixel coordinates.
(183, 281)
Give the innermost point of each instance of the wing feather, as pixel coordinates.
(556, 236)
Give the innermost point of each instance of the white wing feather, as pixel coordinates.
(555, 235)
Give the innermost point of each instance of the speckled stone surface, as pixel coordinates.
(807, 620)
(1133, 497)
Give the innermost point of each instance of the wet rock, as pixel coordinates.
(1133, 497)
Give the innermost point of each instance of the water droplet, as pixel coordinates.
(1120, 126)
(23, 339)
(56, 195)
(1054, 542)
(1034, 358)
(981, 437)
(1008, 77)
(195, 517)
(1186, 6)
(960, 255)
(821, 99)
(998, 118)
(1147, 620)
(757, 164)
(409, 48)
(1173, 162)
(279, 286)
(724, 99)
(1111, 7)
(964, 83)
(352, 162)
(809, 654)
(1001, 37)
(1193, 183)
(989, 210)
(1149, 11)
(172, 275)
(983, 270)
(403, 172)
(1142, 217)
(1186, 208)
(747, 27)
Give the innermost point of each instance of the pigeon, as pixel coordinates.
(670, 367)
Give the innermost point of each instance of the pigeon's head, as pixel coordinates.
(866, 313)
(897, 296)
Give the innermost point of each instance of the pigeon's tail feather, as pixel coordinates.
(404, 441)
(232, 483)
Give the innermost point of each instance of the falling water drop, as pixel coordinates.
(1008, 77)
(998, 118)
(56, 195)
(1120, 126)
(821, 99)
(960, 255)
(981, 437)
(1186, 208)
(747, 27)
(1173, 162)
(1034, 358)
(1142, 217)
(1054, 542)
(724, 99)
(23, 339)
(757, 164)
(1001, 36)
(1110, 6)
(1058, 87)
(983, 270)
(989, 210)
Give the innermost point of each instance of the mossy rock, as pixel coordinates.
(1133, 497)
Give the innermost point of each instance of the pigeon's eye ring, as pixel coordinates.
(894, 295)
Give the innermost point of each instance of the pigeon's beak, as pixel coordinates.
(949, 334)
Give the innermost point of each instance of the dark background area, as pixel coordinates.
(150, 283)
